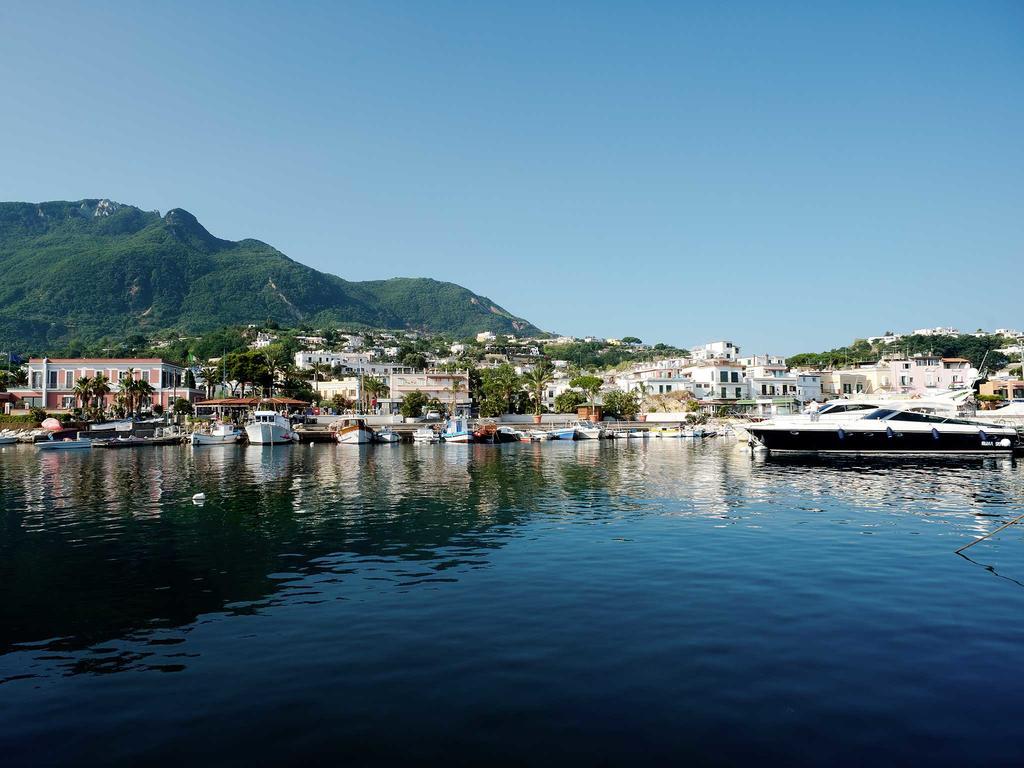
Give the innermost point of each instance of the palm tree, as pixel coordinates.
(83, 391)
(535, 380)
(143, 391)
(211, 375)
(320, 368)
(127, 390)
(374, 387)
(100, 390)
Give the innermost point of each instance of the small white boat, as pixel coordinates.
(457, 431)
(588, 430)
(353, 432)
(424, 435)
(64, 442)
(669, 432)
(270, 428)
(387, 436)
(4, 440)
(221, 434)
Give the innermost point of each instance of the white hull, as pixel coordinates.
(464, 437)
(264, 433)
(63, 445)
(355, 436)
(8, 440)
(588, 433)
(201, 439)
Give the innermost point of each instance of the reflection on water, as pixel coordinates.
(106, 566)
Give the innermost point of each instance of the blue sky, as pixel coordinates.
(788, 176)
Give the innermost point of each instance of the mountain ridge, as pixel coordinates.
(92, 268)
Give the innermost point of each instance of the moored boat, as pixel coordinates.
(64, 440)
(270, 428)
(888, 430)
(457, 431)
(352, 432)
(564, 433)
(386, 436)
(424, 435)
(220, 434)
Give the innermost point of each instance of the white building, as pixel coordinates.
(436, 385)
(940, 331)
(715, 350)
(485, 336)
(352, 362)
(263, 340)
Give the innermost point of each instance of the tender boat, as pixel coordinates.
(270, 428)
(457, 431)
(353, 432)
(8, 439)
(387, 436)
(220, 434)
(424, 435)
(888, 430)
(564, 433)
(63, 441)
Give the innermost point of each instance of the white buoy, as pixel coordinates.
(199, 498)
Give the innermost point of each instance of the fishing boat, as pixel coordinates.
(64, 440)
(220, 434)
(888, 430)
(352, 432)
(424, 435)
(588, 430)
(270, 428)
(457, 431)
(386, 436)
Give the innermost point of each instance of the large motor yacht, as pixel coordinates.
(887, 430)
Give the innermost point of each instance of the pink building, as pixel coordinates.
(51, 381)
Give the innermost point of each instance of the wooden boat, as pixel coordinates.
(352, 432)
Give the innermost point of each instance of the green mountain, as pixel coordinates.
(95, 268)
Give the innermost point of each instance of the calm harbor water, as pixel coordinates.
(584, 603)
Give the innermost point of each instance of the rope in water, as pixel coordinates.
(987, 535)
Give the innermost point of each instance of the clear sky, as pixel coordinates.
(787, 176)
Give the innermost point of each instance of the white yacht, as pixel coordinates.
(270, 428)
(888, 430)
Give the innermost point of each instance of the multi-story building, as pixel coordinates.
(914, 375)
(485, 336)
(445, 387)
(351, 362)
(51, 381)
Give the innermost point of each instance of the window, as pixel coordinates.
(735, 377)
(723, 376)
(860, 387)
(37, 379)
(67, 401)
(51, 379)
(69, 379)
(847, 389)
(739, 392)
(723, 393)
